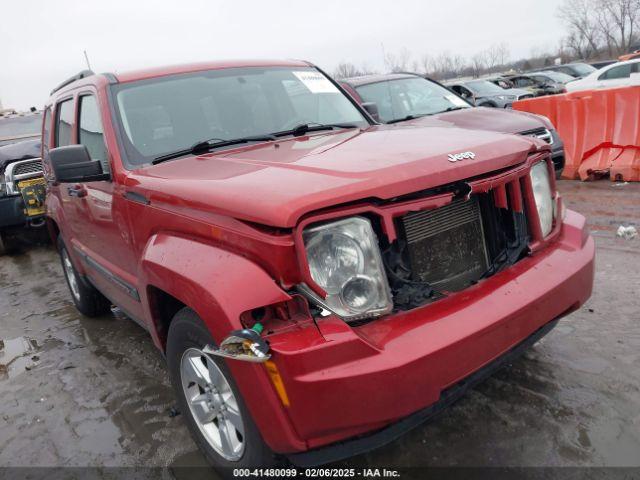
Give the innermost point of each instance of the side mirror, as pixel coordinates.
(372, 109)
(73, 164)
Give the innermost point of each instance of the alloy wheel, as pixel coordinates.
(213, 404)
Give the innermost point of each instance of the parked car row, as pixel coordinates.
(312, 258)
(549, 80)
(412, 99)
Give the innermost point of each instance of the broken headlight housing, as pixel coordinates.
(344, 260)
(543, 195)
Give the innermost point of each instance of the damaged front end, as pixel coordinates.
(430, 246)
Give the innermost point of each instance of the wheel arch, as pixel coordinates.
(218, 286)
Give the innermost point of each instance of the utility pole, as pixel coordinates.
(86, 57)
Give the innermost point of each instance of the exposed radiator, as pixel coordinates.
(447, 245)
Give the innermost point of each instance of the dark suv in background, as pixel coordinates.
(576, 70)
(22, 185)
(411, 99)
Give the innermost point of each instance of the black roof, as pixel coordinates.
(19, 151)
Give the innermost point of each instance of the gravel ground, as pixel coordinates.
(95, 392)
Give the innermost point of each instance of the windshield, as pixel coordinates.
(397, 99)
(554, 76)
(20, 127)
(582, 68)
(166, 114)
(483, 87)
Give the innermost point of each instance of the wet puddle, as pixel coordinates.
(16, 356)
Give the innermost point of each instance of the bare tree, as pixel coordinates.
(492, 57)
(504, 55)
(618, 22)
(479, 63)
(347, 70)
(399, 62)
(425, 65)
(584, 32)
(458, 64)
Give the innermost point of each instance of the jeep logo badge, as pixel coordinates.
(456, 157)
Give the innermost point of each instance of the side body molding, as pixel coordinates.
(219, 286)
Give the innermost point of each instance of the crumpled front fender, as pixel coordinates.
(219, 286)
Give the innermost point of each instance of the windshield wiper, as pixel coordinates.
(453, 109)
(408, 117)
(206, 145)
(303, 128)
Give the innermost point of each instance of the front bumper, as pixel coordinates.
(350, 448)
(344, 382)
(12, 212)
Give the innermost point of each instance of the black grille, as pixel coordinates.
(446, 246)
(34, 166)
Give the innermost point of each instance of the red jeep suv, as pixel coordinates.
(318, 283)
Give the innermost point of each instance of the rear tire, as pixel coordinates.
(211, 390)
(87, 299)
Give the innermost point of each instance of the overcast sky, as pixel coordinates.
(41, 41)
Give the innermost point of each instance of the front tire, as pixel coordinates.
(87, 299)
(211, 403)
(8, 244)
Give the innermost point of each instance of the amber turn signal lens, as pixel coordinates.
(276, 379)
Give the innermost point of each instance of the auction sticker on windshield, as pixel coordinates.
(316, 82)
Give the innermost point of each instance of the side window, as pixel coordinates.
(380, 94)
(90, 132)
(64, 119)
(46, 129)
(623, 71)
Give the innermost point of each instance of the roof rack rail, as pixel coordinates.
(75, 78)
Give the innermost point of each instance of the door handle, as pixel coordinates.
(78, 190)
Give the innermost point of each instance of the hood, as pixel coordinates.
(481, 118)
(19, 151)
(276, 183)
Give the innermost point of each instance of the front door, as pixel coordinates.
(100, 227)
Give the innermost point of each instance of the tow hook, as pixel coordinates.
(246, 345)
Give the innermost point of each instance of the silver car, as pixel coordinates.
(483, 93)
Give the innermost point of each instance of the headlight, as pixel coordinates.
(344, 259)
(543, 196)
